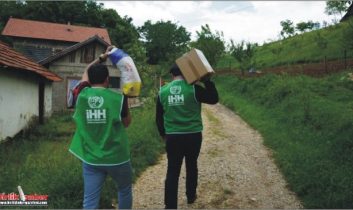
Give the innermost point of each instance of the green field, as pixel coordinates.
(308, 124)
(41, 163)
(303, 48)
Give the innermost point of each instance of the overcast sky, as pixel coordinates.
(254, 21)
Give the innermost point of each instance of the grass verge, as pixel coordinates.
(308, 123)
(41, 163)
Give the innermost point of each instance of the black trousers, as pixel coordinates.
(179, 146)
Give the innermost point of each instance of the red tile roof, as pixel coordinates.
(10, 58)
(52, 31)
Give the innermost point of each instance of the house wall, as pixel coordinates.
(48, 99)
(65, 71)
(18, 101)
(68, 70)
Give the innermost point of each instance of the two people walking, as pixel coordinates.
(100, 141)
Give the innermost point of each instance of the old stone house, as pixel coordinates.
(64, 49)
(70, 64)
(25, 91)
(39, 40)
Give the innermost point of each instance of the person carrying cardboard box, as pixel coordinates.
(178, 118)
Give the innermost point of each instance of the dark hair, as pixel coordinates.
(175, 70)
(97, 74)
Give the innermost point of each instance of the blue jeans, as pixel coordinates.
(94, 177)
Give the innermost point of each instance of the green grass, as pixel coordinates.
(41, 163)
(227, 62)
(303, 48)
(308, 123)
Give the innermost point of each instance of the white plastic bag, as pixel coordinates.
(130, 82)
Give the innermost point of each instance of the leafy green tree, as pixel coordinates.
(55, 11)
(75, 12)
(211, 44)
(164, 41)
(301, 26)
(287, 28)
(307, 26)
(109, 18)
(7, 9)
(336, 7)
(244, 54)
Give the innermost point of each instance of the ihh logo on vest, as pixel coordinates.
(176, 99)
(95, 114)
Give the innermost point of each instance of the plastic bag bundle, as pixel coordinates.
(130, 82)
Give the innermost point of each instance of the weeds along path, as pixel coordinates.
(235, 170)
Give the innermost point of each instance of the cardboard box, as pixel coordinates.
(194, 66)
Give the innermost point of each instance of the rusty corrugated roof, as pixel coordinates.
(52, 31)
(10, 58)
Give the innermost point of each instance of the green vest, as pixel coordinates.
(182, 112)
(100, 137)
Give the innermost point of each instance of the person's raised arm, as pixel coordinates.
(102, 58)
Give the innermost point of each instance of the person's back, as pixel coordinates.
(182, 112)
(100, 140)
(99, 128)
(179, 122)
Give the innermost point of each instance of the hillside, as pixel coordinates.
(307, 123)
(303, 48)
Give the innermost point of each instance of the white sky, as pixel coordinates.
(254, 21)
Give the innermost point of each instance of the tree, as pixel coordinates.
(307, 26)
(336, 7)
(211, 44)
(164, 41)
(244, 54)
(301, 26)
(287, 28)
(7, 9)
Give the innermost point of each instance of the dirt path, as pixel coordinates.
(235, 170)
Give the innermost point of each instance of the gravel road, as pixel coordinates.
(235, 170)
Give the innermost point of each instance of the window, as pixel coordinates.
(87, 54)
(72, 57)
